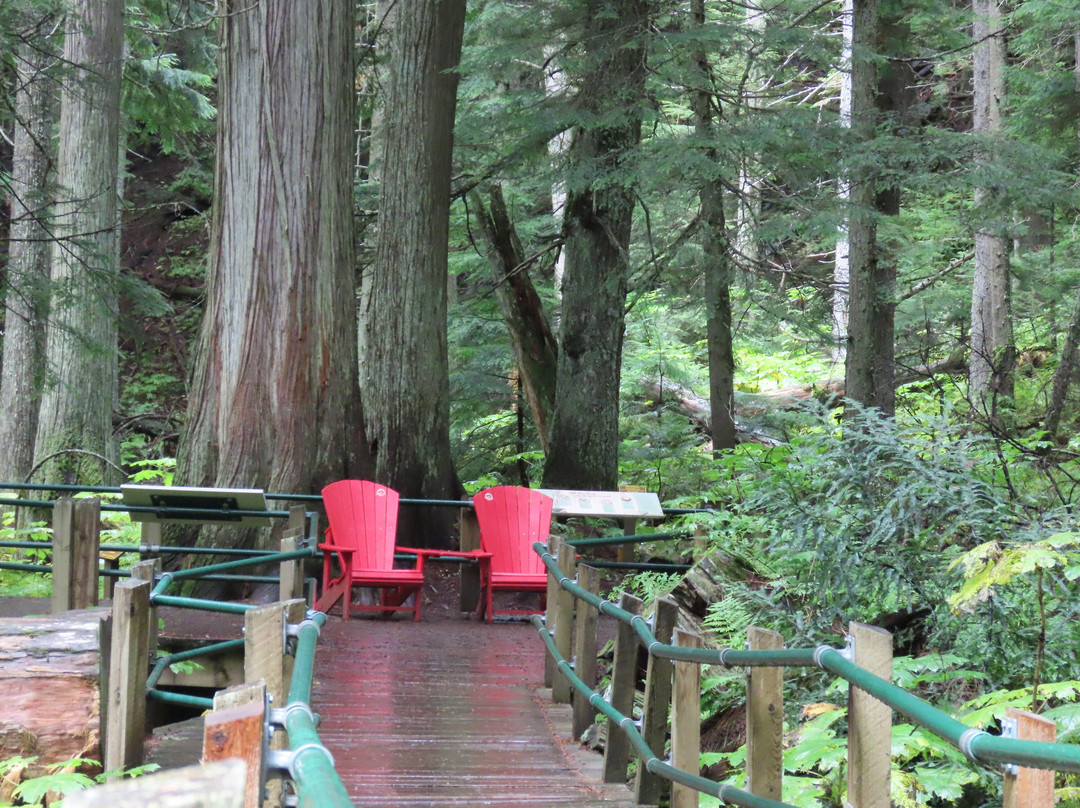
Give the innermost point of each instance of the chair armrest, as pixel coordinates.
(333, 548)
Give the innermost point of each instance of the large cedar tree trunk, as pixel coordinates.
(993, 353)
(585, 424)
(28, 255)
(77, 404)
(274, 400)
(405, 363)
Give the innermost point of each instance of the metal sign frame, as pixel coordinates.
(206, 505)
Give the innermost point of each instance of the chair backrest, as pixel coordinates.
(511, 519)
(363, 515)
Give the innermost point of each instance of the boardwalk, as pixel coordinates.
(447, 714)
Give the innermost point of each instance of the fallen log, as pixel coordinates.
(49, 679)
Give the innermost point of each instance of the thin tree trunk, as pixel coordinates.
(585, 425)
(1069, 358)
(748, 207)
(406, 370)
(274, 399)
(27, 297)
(993, 353)
(535, 349)
(76, 408)
(717, 262)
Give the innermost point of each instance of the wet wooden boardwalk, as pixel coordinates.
(449, 714)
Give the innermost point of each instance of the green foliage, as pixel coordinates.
(61, 778)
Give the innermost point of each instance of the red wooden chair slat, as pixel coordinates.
(362, 537)
(511, 520)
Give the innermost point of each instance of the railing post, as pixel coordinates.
(469, 574)
(128, 668)
(623, 680)
(150, 534)
(648, 788)
(585, 649)
(265, 659)
(686, 721)
(297, 519)
(291, 584)
(76, 541)
(551, 609)
(564, 621)
(1025, 787)
(236, 729)
(765, 720)
(148, 571)
(870, 723)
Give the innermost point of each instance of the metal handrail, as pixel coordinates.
(977, 745)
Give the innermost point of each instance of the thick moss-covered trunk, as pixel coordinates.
(75, 418)
(585, 426)
(274, 401)
(405, 366)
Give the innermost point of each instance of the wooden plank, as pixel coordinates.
(128, 669)
(649, 788)
(215, 785)
(63, 541)
(623, 681)
(585, 649)
(765, 720)
(870, 723)
(238, 732)
(297, 520)
(686, 721)
(1025, 787)
(564, 622)
(148, 571)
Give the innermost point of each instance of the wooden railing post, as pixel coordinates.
(686, 721)
(236, 729)
(623, 681)
(564, 621)
(1025, 787)
(585, 649)
(297, 519)
(469, 574)
(648, 788)
(265, 660)
(870, 723)
(147, 571)
(76, 542)
(150, 535)
(291, 585)
(765, 720)
(215, 785)
(128, 669)
(551, 610)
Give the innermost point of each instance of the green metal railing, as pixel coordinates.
(977, 745)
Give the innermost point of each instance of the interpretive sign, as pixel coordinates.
(190, 504)
(605, 503)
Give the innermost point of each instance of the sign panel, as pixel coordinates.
(605, 503)
(210, 505)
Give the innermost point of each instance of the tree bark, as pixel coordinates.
(27, 297)
(585, 425)
(717, 263)
(406, 366)
(535, 348)
(76, 407)
(993, 353)
(274, 399)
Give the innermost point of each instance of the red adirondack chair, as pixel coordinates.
(511, 519)
(361, 536)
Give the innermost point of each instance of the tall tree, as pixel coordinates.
(75, 419)
(404, 364)
(27, 295)
(274, 398)
(597, 224)
(993, 352)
